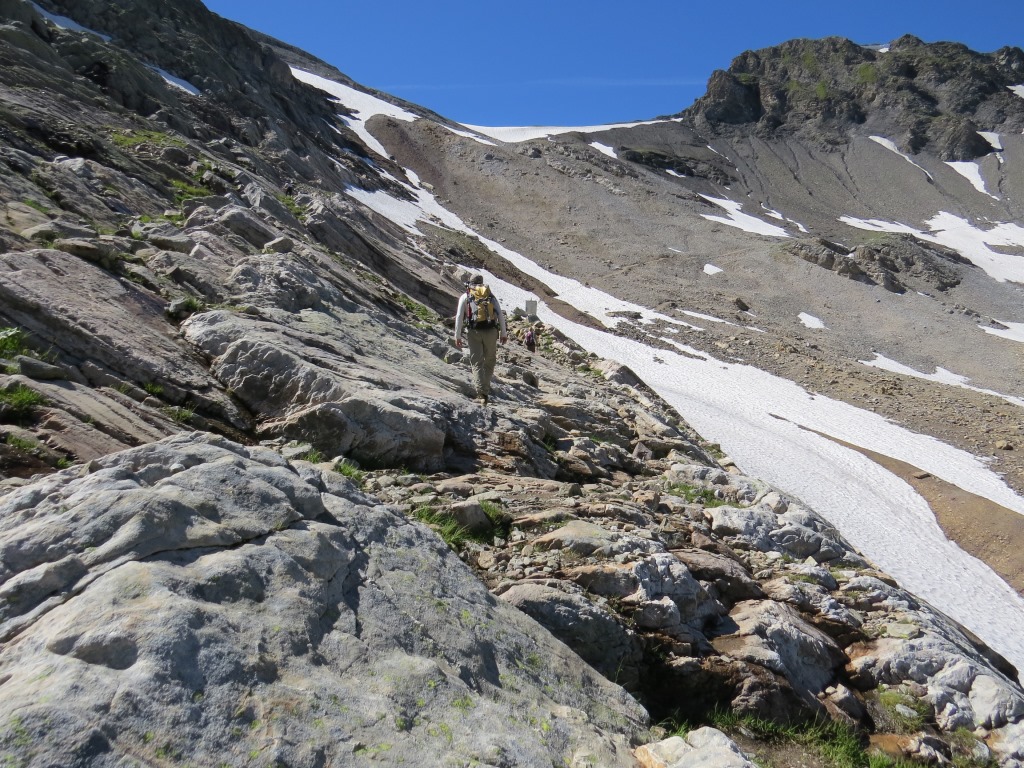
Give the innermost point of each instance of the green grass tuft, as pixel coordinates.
(184, 191)
(313, 456)
(453, 534)
(350, 470)
(132, 138)
(12, 342)
(694, 495)
(21, 443)
(19, 401)
(179, 415)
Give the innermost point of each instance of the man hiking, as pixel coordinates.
(480, 313)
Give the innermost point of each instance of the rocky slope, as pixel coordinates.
(231, 417)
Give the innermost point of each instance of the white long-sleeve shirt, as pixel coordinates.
(460, 315)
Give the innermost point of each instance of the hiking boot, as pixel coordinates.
(482, 399)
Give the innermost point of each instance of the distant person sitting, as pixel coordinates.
(481, 314)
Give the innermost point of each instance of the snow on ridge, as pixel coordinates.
(362, 104)
(993, 139)
(941, 376)
(516, 134)
(469, 135)
(741, 220)
(1013, 331)
(972, 172)
(891, 146)
(879, 225)
(1018, 89)
(969, 241)
(70, 24)
(604, 149)
(702, 316)
(810, 321)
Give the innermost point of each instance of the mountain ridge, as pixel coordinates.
(919, 93)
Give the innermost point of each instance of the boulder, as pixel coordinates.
(247, 225)
(701, 748)
(600, 640)
(585, 538)
(775, 636)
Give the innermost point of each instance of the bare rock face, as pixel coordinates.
(897, 263)
(198, 599)
(774, 635)
(824, 90)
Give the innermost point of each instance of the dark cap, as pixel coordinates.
(476, 280)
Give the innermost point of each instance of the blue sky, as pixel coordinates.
(567, 62)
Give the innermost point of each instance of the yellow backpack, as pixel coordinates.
(480, 309)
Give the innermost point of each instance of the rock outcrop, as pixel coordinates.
(929, 95)
(199, 601)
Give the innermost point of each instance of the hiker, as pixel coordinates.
(530, 340)
(480, 313)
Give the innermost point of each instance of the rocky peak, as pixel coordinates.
(935, 95)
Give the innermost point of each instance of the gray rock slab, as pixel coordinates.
(585, 538)
(195, 600)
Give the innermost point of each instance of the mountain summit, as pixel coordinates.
(926, 97)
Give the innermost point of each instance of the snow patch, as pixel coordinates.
(891, 146)
(70, 24)
(363, 106)
(710, 318)
(969, 241)
(1018, 89)
(604, 149)
(810, 320)
(741, 220)
(1013, 331)
(177, 82)
(878, 225)
(469, 135)
(993, 139)
(711, 269)
(941, 376)
(678, 175)
(971, 172)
